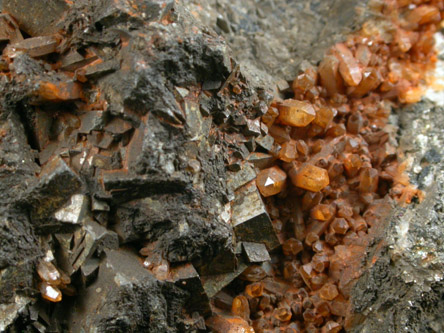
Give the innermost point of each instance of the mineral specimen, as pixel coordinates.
(137, 121)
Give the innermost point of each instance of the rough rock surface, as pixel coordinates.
(271, 38)
(403, 291)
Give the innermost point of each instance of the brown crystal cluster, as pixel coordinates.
(335, 169)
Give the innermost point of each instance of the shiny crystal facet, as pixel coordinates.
(50, 292)
(271, 181)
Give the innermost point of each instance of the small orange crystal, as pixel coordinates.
(292, 247)
(48, 272)
(296, 113)
(348, 66)
(324, 117)
(320, 262)
(240, 307)
(323, 212)
(307, 273)
(331, 327)
(271, 115)
(254, 289)
(339, 226)
(329, 74)
(368, 180)
(271, 181)
(352, 164)
(424, 14)
(50, 293)
(329, 291)
(371, 79)
(282, 313)
(305, 81)
(288, 151)
(310, 177)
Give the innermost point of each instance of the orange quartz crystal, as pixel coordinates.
(292, 247)
(283, 313)
(348, 66)
(271, 181)
(368, 180)
(226, 324)
(339, 226)
(296, 113)
(329, 75)
(288, 151)
(323, 212)
(328, 292)
(240, 307)
(311, 178)
(48, 272)
(324, 117)
(271, 115)
(50, 292)
(331, 327)
(305, 81)
(320, 262)
(352, 164)
(254, 289)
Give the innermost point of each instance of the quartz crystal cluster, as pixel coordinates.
(334, 171)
